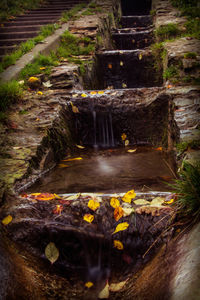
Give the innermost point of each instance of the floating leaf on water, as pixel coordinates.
(80, 147)
(89, 284)
(72, 159)
(93, 205)
(129, 196)
(123, 136)
(83, 95)
(159, 149)
(114, 202)
(118, 245)
(109, 66)
(121, 63)
(51, 252)
(140, 56)
(88, 218)
(121, 227)
(116, 287)
(158, 201)
(118, 213)
(93, 93)
(141, 202)
(100, 92)
(128, 211)
(126, 143)
(104, 294)
(132, 150)
(7, 220)
(62, 166)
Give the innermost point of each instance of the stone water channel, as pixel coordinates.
(127, 98)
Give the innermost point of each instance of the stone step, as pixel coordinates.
(20, 28)
(6, 49)
(127, 69)
(48, 11)
(46, 17)
(14, 41)
(136, 21)
(16, 35)
(28, 23)
(135, 40)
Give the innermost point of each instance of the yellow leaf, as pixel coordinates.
(158, 201)
(42, 68)
(40, 93)
(131, 150)
(114, 202)
(109, 66)
(118, 245)
(140, 56)
(121, 227)
(93, 205)
(104, 294)
(121, 63)
(88, 218)
(62, 166)
(133, 41)
(129, 196)
(170, 201)
(118, 213)
(124, 85)
(7, 220)
(37, 119)
(89, 284)
(123, 136)
(141, 202)
(72, 159)
(44, 196)
(126, 143)
(116, 287)
(83, 95)
(74, 95)
(128, 211)
(100, 92)
(93, 93)
(51, 252)
(74, 108)
(33, 79)
(80, 147)
(56, 196)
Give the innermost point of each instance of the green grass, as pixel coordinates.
(10, 93)
(192, 55)
(67, 15)
(159, 54)
(187, 189)
(181, 147)
(171, 73)
(167, 32)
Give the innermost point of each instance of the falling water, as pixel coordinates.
(103, 130)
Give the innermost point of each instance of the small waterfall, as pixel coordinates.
(103, 130)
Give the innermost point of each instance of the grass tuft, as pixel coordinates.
(10, 93)
(167, 32)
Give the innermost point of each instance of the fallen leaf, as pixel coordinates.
(51, 252)
(126, 143)
(121, 227)
(109, 66)
(93, 205)
(118, 213)
(33, 79)
(133, 41)
(74, 108)
(158, 201)
(44, 196)
(7, 220)
(169, 202)
(140, 56)
(47, 84)
(141, 202)
(37, 119)
(40, 93)
(128, 211)
(72, 159)
(89, 284)
(74, 95)
(104, 294)
(123, 136)
(88, 218)
(124, 85)
(180, 109)
(74, 197)
(58, 209)
(83, 95)
(116, 287)
(131, 150)
(118, 245)
(80, 147)
(159, 149)
(62, 166)
(93, 93)
(169, 86)
(17, 148)
(21, 82)
(129, 196)
(100, 92)
(121, 63)
(42, 68)
(114, 202)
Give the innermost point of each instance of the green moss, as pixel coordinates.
(168, 31)
(181, 147)
(190, 55)
(10, 93)
(171, 73)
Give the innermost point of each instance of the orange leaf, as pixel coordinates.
(93, 93)
(88, 218)
(43, 196)
(114, 202)
(118, 245)
(123, 136)
(159, 149)
(109, 66)
(93, 205)
(118, 213)
(58, 209)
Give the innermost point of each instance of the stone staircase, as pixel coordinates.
(28, 25)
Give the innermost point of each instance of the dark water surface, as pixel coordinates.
(111, 170)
